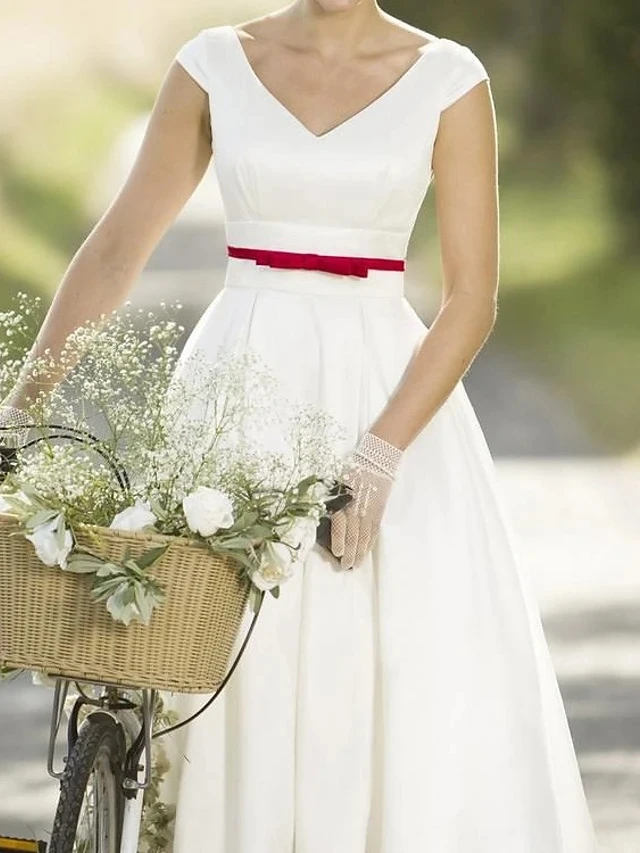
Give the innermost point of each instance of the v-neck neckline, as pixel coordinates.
(345, 122)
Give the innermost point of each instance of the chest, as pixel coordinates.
(323, 94)
(369, 170)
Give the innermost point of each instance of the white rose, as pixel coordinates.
(275, 567)
(319, 492)
(207, 509)
(46, 545)
(301, 532)
(134, 517)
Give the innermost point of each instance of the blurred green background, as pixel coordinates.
(564, 75)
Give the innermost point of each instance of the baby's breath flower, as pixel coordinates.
(171, 422)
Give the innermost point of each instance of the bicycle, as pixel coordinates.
(108, 761)
(108, 764)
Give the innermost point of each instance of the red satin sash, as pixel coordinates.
(339, 264)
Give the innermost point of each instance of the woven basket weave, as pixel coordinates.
(49, 623)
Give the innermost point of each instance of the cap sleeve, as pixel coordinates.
(466, 71)
(193, 58)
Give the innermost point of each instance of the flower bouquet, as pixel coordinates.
(152, 496)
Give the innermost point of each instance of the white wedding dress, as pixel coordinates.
(410, 705)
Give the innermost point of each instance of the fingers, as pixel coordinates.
(363, 545)
(338, 532)
(351, 538)
(350, 541)
(344, 537)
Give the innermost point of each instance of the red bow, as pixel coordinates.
(338, 264)
(311, 261)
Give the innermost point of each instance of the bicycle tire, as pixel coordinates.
(99, 750)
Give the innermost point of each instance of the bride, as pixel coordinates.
(399, 696)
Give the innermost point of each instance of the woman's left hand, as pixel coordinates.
(370, 476)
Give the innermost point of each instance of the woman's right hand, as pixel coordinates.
(12, 416)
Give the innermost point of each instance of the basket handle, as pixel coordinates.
(8, 454)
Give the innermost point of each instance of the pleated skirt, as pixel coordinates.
(409, 705)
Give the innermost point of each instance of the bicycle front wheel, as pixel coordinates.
(91, 804)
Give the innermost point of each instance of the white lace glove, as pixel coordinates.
(370, 475)
(11, 416)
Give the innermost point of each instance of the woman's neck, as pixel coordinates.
(327, 23)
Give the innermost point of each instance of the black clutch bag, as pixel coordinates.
(340, 496)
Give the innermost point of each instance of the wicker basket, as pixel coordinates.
(49, 623)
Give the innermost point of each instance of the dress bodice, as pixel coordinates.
(355, 189)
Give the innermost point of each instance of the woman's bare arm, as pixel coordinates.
(171, 162)
(465, 171)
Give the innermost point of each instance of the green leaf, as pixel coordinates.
(303, 485)
(157, 509)
(80, 550)
(100, 587)
(261, 531)
(244, 560)
(19, 506)
(30, 492)
(83, 564)
(199, 543)
(246, 519)
(40, 517)
(255, 597)
(104, 588)
(159, 593)
(109, 569)
(60, 531)
(144, 603)
(150, 557)
(237, 542)
(120, 609)
(240, 556)
(133, 568)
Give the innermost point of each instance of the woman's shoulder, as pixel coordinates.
(203, 51)
(208, 38)
(452, 48)
(462, 69)
(208, 34)
(453, 54)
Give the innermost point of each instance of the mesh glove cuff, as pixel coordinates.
(377, 455)
(10, 416)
